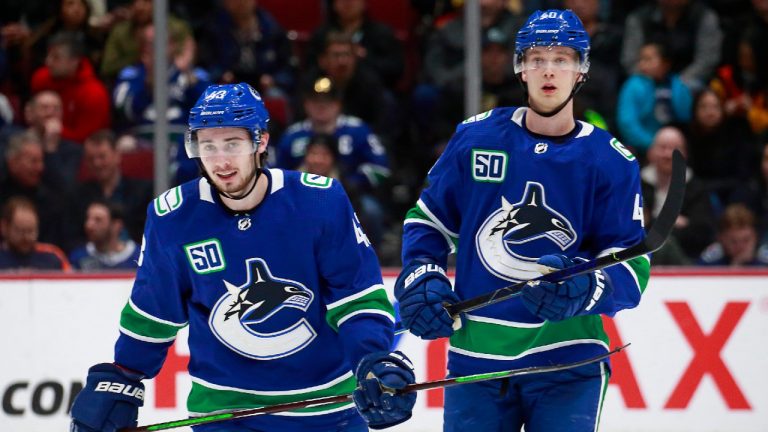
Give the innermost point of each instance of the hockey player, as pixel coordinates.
(519, 191)
(276, 280)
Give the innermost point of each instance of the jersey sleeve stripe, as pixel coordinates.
(640, 269)
(451, 242)
(355, 296)
(153, 318)
(376, 299)
(140, 325)
(417, 215)
(139, 337)
(367, 311)
(423, 207)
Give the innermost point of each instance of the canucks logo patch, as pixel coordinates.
(514, 228)
(168, 201)
(478, 117)
(619, 147)
(316, 181)
(246, 319)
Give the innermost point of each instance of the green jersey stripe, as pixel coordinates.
(207, 398)
(429, 215)
(416, 215)
(640, 268)
(373, 300)
(137, 322)
(509, 342)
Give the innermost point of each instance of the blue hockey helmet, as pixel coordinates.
(227, 105)
(553, 27)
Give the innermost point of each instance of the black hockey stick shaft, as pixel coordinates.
(447, 382)
(654, 239)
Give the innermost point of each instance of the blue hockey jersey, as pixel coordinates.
(501, 196)
(281, 302)
(362, 157)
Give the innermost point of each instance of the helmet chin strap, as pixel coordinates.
(257, 173)
(554, 112)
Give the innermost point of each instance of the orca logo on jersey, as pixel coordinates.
(507, 241)
(235, 319)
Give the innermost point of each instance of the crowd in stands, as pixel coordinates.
(368, 92)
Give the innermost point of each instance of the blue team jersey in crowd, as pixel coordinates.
(281, 302)
(361, 155)
(501, 196)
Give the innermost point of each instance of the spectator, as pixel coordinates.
(321, 157)
(755, 195)
(133, 97)
(84, 97)
(597, 97)
(105, 250)
(722, 150)
(102, 161)
(62, 157)
(362, 158)
(20, 249)
(743, 88)
(18, 19)
(244, 43)
(756, 34)
(444, 52)
(363, 94)
(695, 226)
(123, 45)
(690, 30)
(24, 158)
(499, 85)
(375, 44)
(443, 66)
(71, 17)
(737, 241)
(651, 98)
(671, 253)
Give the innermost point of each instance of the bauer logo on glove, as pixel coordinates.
(423, 269)
(116, 387)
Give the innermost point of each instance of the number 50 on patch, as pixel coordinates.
(489, 165)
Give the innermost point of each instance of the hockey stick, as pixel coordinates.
(447, 382)
(654, 239)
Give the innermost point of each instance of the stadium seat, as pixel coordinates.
(299, 18)
(398, 14)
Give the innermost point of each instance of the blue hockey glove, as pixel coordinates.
(109, 401)
(421, 290)
(379, 376)
(577, 295)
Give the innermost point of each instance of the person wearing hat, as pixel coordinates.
(362, 159)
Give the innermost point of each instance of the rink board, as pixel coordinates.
(697, 360)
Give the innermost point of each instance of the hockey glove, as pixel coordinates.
(379, 376)
(421, 289)
(110, 400)
(578, 295)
